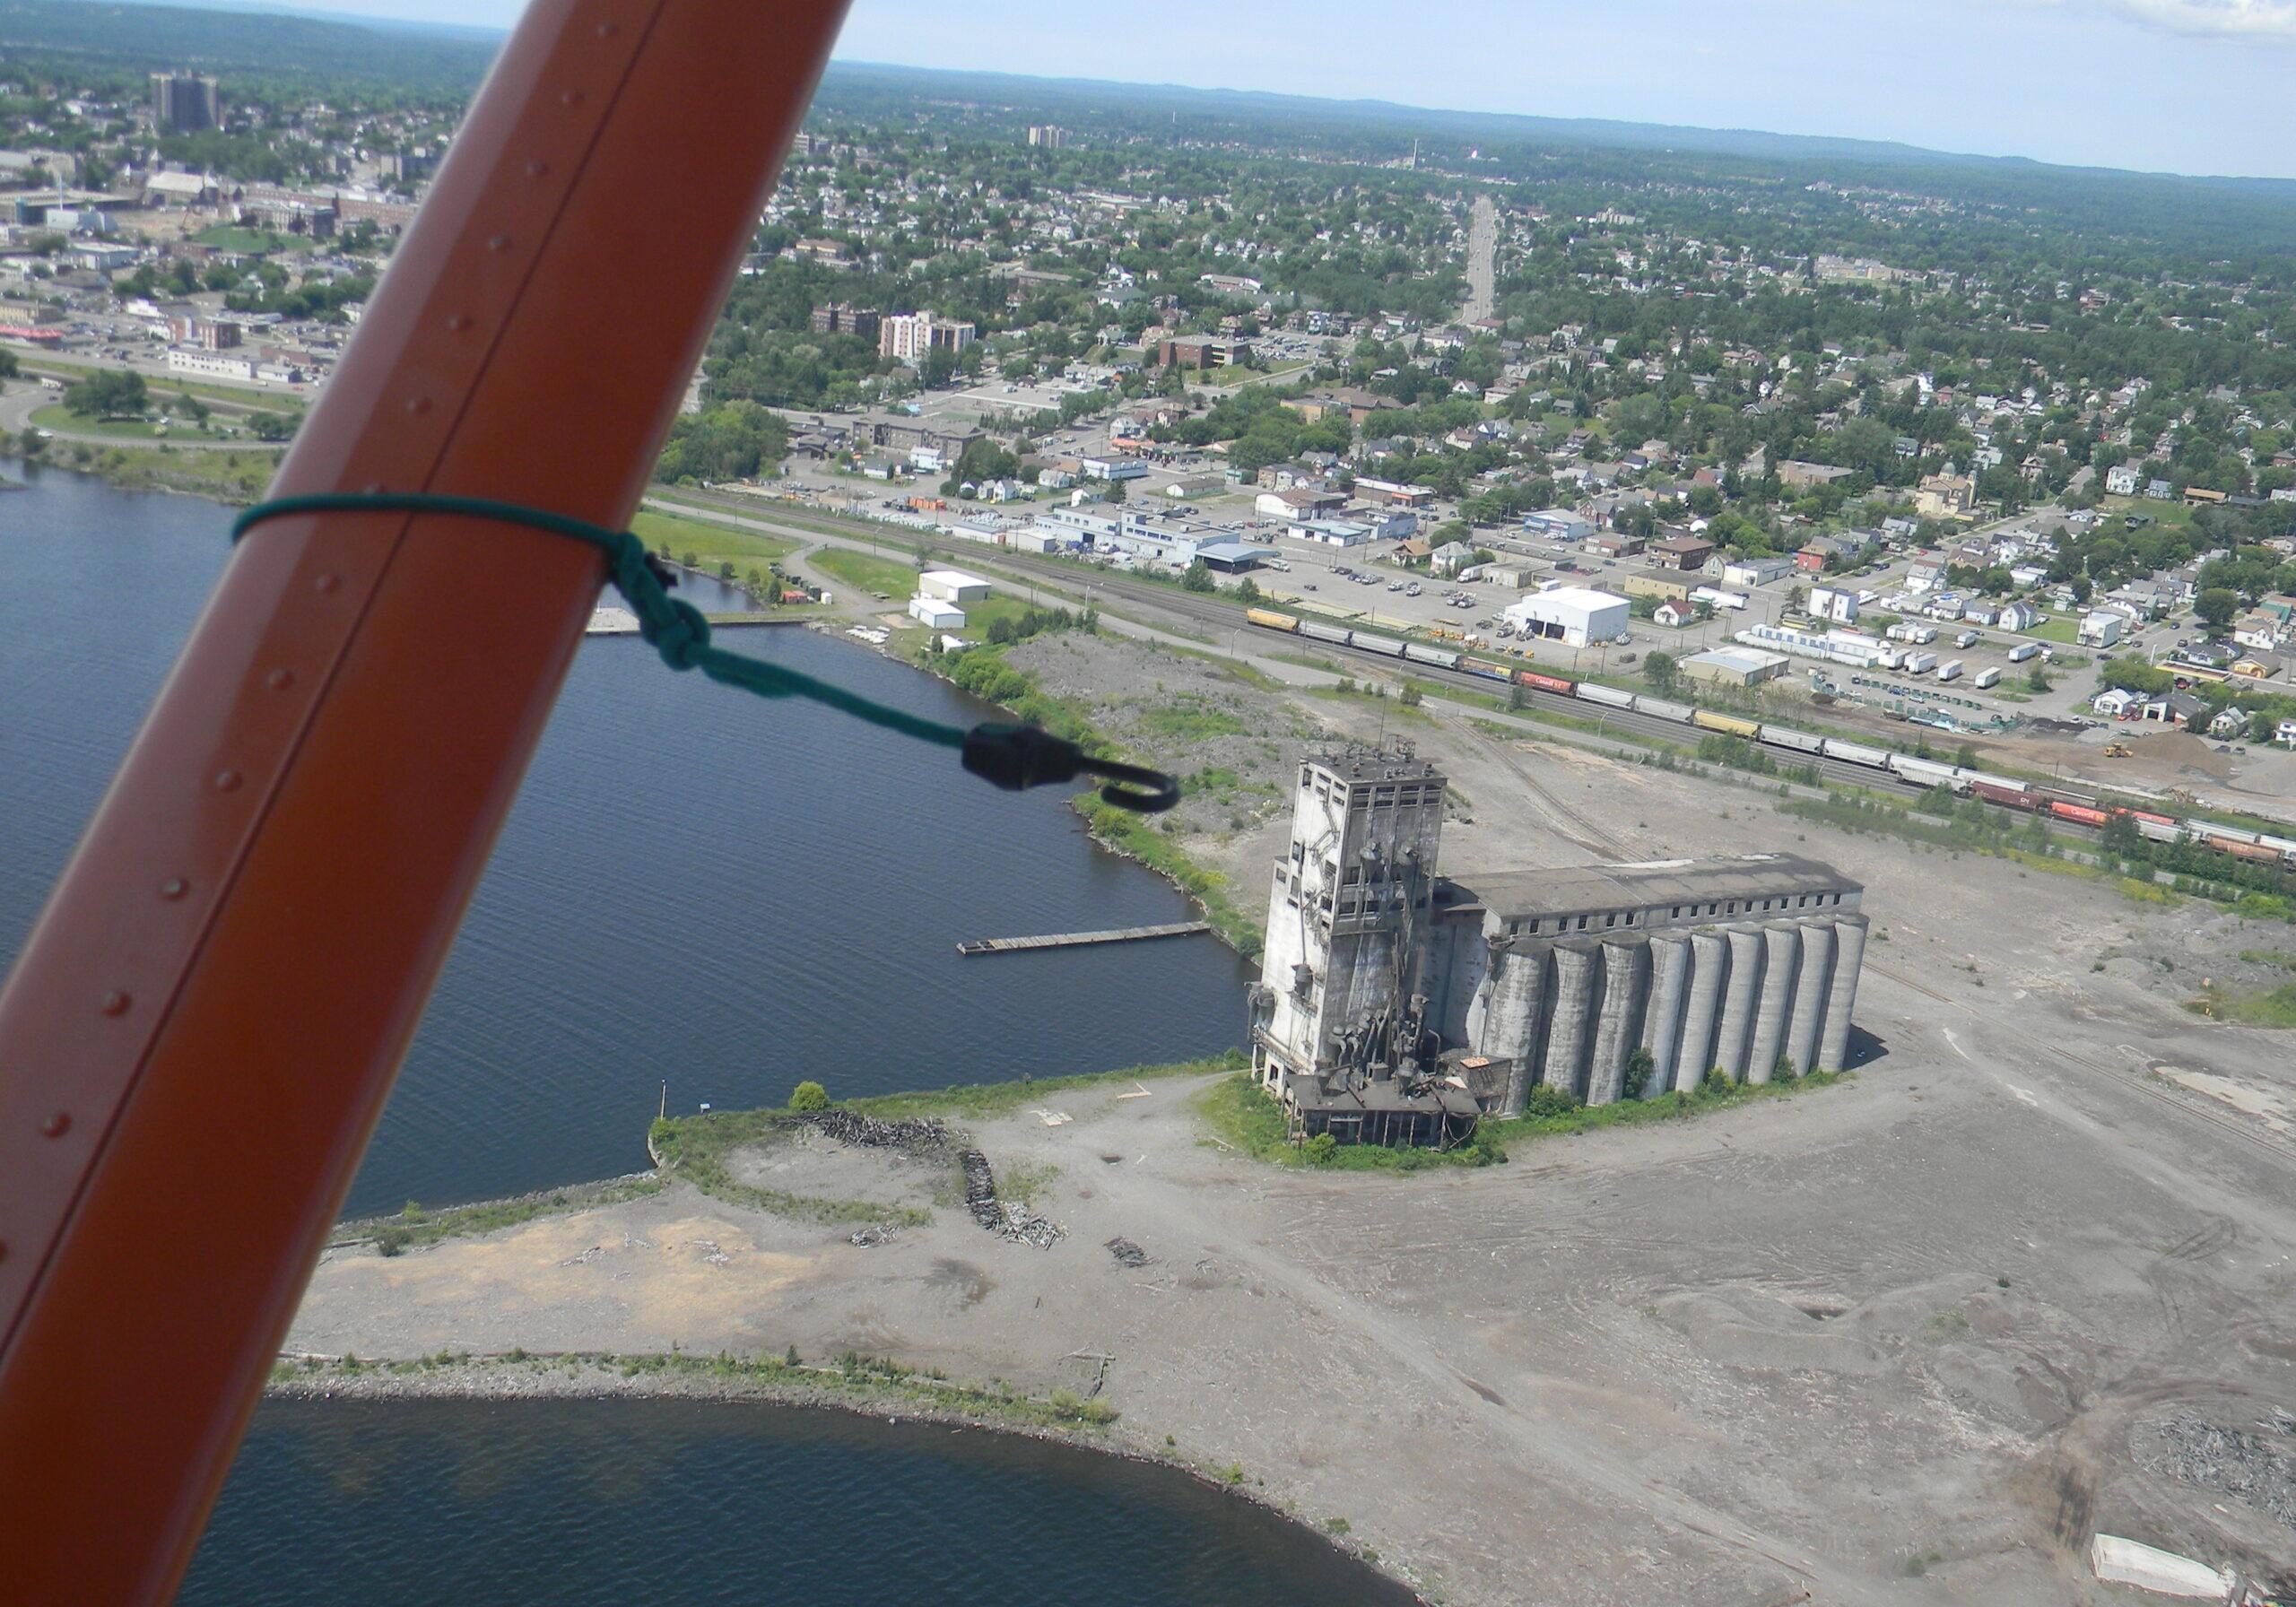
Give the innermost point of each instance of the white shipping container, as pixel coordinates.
(1950, 670)
(1919, 663)
(1990, 677)
(2023, 651)
(1594, 693)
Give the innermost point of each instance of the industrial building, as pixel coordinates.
(1397, 1007)
(953, 586)
(1572, 615)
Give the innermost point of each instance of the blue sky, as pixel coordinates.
(2191, 86)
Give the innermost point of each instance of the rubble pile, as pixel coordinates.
(913, 1135)
(1026, 1228)
(980, 1191)
(1006, 1222)
(2259, 1468)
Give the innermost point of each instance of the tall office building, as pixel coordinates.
(184, 103)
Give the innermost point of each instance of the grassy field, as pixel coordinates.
(2266, 1007)
(710, 546)
(238, 476)
(2060, 628)
(864, 571)
(58, 417)
(231, 237)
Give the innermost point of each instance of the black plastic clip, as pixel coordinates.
(1018, 756)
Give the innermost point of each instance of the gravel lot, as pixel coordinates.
(1908, 1340)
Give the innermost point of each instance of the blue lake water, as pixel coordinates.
(694, 885)
(802, 883)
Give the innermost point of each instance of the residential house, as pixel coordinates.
(1944, 496)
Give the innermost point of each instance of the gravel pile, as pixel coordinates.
(2257, 1467)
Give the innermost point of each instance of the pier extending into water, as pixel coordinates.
(1074, 940)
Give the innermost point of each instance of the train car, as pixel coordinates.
(2080, 812)
(2230, 834)
(2008, 796)
(1592, 693)
(2154, 829)
(1730, 724)
(1267, 620)
(1314, 630)
(1443, 657)
(1680, 713)
(1786, 736)
(1386, 645)
(1489, 671)
(1925, 772)
(1546, 684)
(1856, 754)
(2254, 853)
(2281, 846)
(2147, 815)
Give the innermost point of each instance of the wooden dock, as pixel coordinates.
(1072, 940)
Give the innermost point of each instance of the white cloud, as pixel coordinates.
(2244, 19)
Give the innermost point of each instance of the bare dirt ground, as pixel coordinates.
(1908, 1339)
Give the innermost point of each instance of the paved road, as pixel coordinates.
(1482, 257)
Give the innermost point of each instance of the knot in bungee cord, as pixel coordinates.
(1010, 756)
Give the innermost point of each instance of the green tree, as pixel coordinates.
(1785, 1071)
(809, 1096)
(2216, 606)
(111, 393)
(1640, 1066)
(1410, 695)
(1663, 671)
(1248, 591)
(1198, 578)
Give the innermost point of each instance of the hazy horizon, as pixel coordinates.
(2192, 87)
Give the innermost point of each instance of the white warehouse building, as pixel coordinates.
(953, 586)
(1572, 615)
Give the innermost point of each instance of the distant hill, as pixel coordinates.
(151, 36)
(1310, 116)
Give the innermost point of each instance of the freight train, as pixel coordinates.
(2071, 808)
